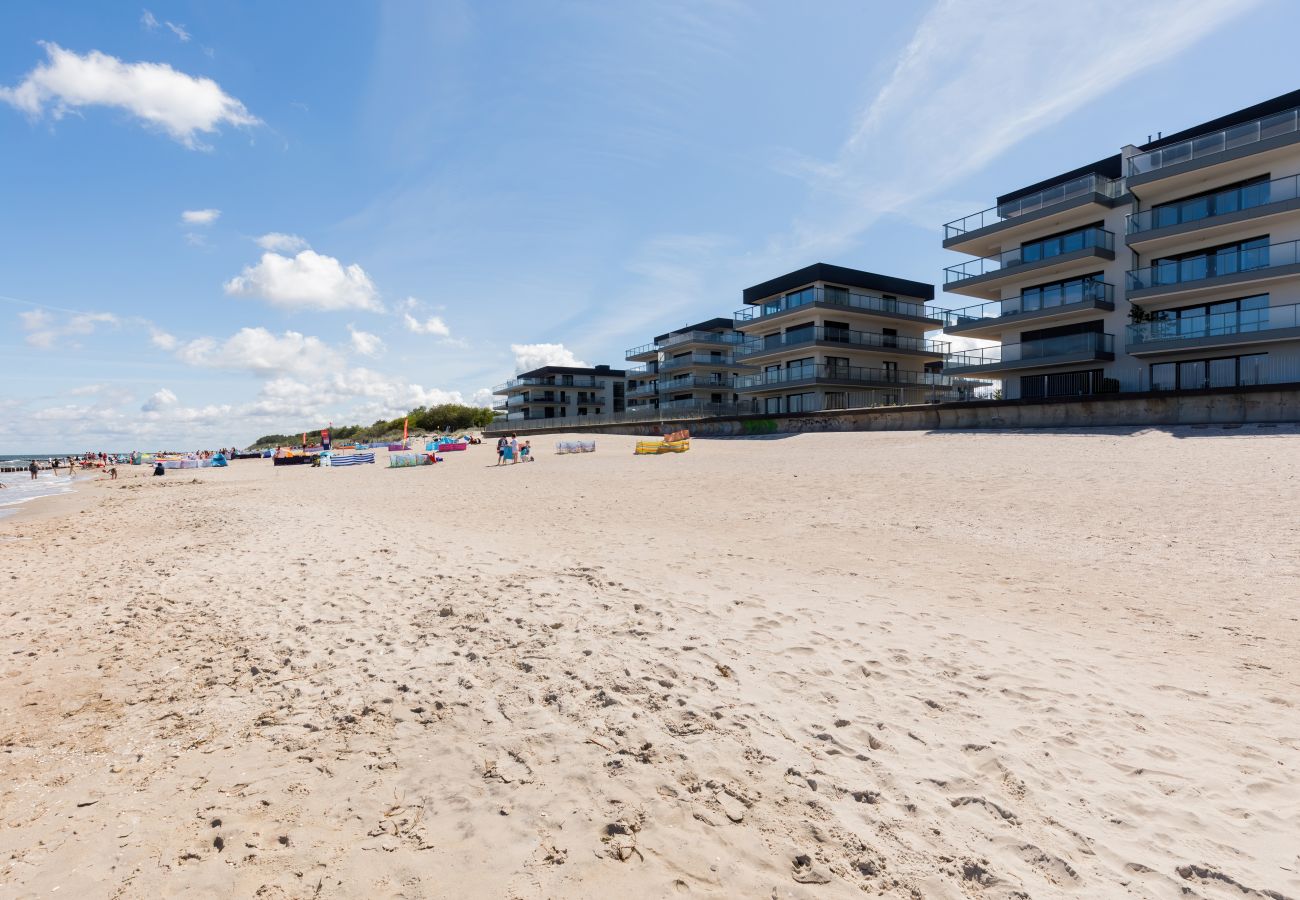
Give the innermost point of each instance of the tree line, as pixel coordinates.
(444, 417)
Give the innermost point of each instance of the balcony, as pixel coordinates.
(545, 381)
(696, 359)
(834, 299)
(1207, 213)
(841, 338)
(985, 276)
(701, 337)
(643, 390)
(670, 386)
(1229, 329)
(1034, 208)
(1203, 274)
(810, 374)
(643, 353)
(1057, 351)
(1250, 138)
(988, 319)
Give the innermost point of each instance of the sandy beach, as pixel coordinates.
(840, 665)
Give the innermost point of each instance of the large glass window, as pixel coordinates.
(1060, 384)
(1212, 203)
(1211, 262)
(1236, 316)
(1067, 242)
(1060, 293)
(1196, 374)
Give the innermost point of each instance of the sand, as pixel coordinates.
(903, 665)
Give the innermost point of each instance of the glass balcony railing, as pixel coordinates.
(546, 381)
(833, 296)
(1215, 265)
(1036, 252)
(667, 386)
(1042, 300)
(639, 351)
(1067, 345)
(702, 337)
(1187, 328)
(861, 339)
(1215, 142)
(839, 374)
(1205, 208)
(695, 359)
(643, 390)
(1047, 197)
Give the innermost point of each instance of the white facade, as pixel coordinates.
(1170, 267)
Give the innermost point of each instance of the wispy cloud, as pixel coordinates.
(978, 77)
(200, 216)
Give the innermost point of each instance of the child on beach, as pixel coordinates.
(513, 453)
(501, 450)
(528, 451)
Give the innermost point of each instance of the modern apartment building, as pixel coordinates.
(1173, 265)
(830, 337)
(693, 365)
(555, 392)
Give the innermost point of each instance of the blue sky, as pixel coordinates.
(225, 219)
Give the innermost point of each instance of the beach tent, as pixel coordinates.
(219, 460)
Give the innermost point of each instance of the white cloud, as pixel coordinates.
(484, 397)
(161, 339)
(200, 216)
(364, 343)
(162, 97)
(44, 330)
(433, 325)
(531, 356)
(148, 21)
(260, 352)
(307, 281)
(282, 243)
(179, 31)
(161, 399)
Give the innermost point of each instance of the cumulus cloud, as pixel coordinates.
(531, 356)
(282, 243)
(200, 216)
(44, 330)
(433, 325)
(161, 399)
(307, 281)
(160, 96)
(364, 343)
(260, 352)
(483, 397)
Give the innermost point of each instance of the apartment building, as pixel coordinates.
(694, 365)
(1168, 266)
(830, 337)
(555, 392)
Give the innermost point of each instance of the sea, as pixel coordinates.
(19, 488)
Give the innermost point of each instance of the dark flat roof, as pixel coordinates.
(1111, 166)
(571, 370)
(886, 284)
(721, 323)
(1278, 104)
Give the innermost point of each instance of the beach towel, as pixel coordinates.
(353, 459)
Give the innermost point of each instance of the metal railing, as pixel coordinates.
(836, 297)
(1047, 197)
(695, 359)
(546, 381)
(1072, 292)
(643, 390)
(1187, 328)
(1214, 265)
(1037, 251)
(810, 334)
(1216, 142)
(1094, 342)
(642, 371)
(1210, 206)
(638, 351)
(701, 337)
(840, 375)
(668, 385)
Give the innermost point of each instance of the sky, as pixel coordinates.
(227, 219)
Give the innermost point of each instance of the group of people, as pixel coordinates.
(509, 450)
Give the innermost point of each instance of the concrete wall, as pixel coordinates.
(1268, 403)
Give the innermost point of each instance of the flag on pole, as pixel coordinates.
(405, 424)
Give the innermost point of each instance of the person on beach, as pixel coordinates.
(159, 468)
(514, 449)
(501, 450)
(527, 451)
(33, 468)
(112, 474)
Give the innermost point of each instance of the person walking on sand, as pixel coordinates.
(33, 468)
(501, 450)
(514, 449)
